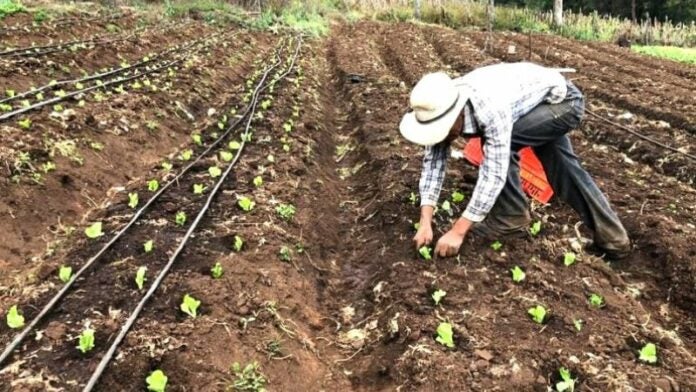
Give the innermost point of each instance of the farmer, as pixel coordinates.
(510, 106)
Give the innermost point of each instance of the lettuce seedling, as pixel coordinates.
(457, 197)
(153, 185)
(246, 137)
(286, 211)
(567, 383)
(245, 203)
(186, 155)
(133, 200)
(518, 274)
(214, 171)
(445, 335)
(216, 271)
(180, 218)
(258, 181)
(86, 342)
(270, 158)
(65, 273)
(438, 295)
(94, 231)
(596, 301)
(238, 243)
(287, 127)
(197, 139)
(140, 277)
(189, 305)
(234, 145)
(578, 324)
(496, 245)
(24, 124)
(538, 314)
(648, 353)
(413, 198)
(14, 319)
(148, 246)
(569, 259)
(536, 228)
(285, 254)
(226, 156)
(447, 207)
(10, 93)
(5, 107)
(425, 252)
(198, 189)
(156, 381)
(166, 166)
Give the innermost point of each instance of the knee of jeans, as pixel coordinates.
(579, 109)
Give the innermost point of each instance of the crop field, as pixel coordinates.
(235, 208)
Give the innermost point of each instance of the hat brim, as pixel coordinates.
(430, 133)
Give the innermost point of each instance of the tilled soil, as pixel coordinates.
(349, 306)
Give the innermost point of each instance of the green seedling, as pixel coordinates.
(270, 158)
(166, 166)
(156, 381)
(425, 252)
(94, 231)
(133, 200)
(65, 273)
(24, 124)
(246, 137)
(287, 127)
(189, 305)
(445, 335)
(413, 198)
(569, 259)
(496, 246)
(457, 197)
(197, 139)
(567, 383)
(58, 108)
(186, 155)
(180, 218)
(5, 107)
(578, 324)
(286, 147)
(538, 314)
(648, 354)
(226, 156)
(285, 254)
(536, 228)
(266, 104)
(153, 185)
(60, 93)
(596, 301)
(25, 104)
(258, 181)
(438, 295)
(447, 207)
(198, 189)
(234, 145)
(518, 274)
(245, 203)
(416, 226)
(140, 277)
(10, 93)
(286, 211)
(249, 378)
(148, 246)
(86, 341)
(39, 97)
(14, 319)
(48, 167)
(214, 171)
(238, 243)
(216, 271)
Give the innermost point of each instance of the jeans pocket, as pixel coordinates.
(569, 113)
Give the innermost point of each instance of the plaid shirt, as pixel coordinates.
(498, 96)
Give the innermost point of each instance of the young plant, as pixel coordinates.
(226, 156)
(569, 259)
(538, 314)
(153, 185)
(445, 335)
(180, 218)
(166, 166)
(285, 254)
(438, 295)
(197, 139)
(536, 228)
(648, 354)
(186, 155)
(258, 181)
(425, 252)
(447, 207)
(156, 381)
(496, 246)
(140, 277)
(133, 200)
(286, 211)
(245, 203)
(596, 301)
(249, 378)
(234, 145)
(148, 246)
(86, 341)
(457, 197)
(413, 198)
(270, 158)
(216, 271)
(65, 273)
(14, 319)
(238, 243)
(287, 126)
(189, 305)
(94, 231)
(567, 383)
(198, 189)
(24, 124)
(578, 324)
(214, 171)
(518, 274)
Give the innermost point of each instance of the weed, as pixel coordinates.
(445, 335)
(286, 211)
(438, 295)
(648, 354)
(65, 273)
(249, 378)
(86, 341)
(156, 381)
(14, 319)
(94, 230)
(189, 305)
(518, 274)
(285, 254)
(140, 277)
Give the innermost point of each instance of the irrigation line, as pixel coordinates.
(49, 306)
(641, 136)
(106, 359)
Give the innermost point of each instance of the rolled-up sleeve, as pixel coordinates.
(433, 173)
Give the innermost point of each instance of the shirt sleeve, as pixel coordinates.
(493, 171)
(433, 173)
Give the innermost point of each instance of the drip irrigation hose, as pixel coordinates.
(641, 136)
(49, 306)
(106, 359)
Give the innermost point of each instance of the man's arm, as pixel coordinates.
(430, 185)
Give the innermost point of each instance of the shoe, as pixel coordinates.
(493, 231)
(611, 251)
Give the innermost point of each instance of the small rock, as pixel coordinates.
(481, 364)
(484, 354)
(663, 385)
(55, 330)
(625, 116)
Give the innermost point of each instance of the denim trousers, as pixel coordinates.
(545, 129)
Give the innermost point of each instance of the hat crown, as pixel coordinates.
(432, 96)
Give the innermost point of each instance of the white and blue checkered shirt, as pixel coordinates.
(498, 96)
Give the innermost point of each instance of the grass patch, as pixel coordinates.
(684, 55)
(9, 7)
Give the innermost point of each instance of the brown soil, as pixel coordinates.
(353, 268)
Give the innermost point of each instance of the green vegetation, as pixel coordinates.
(518, 274)
(496, 245)
(94, 231)
(148, 246)
(9, 7)
(153, 185)
(245, 203)
(65, 273)
(438, 295)
(538, 314)
(258, 181)
(189, 305)
(567, 383)
(216, 271)
(238, 243)
(86, 341)
(285, 254)
(425, 252)
(445, 335)
(286, 211)
(457, 197)
(536, 228)
(140, 277)
(569, 259)
(14, 319)
(156, 381)
(214, 171)
(133, 200)
(684, 55)
(648, 354)
(249, 378)
(180, 218)
(198, 189)
(596, 301)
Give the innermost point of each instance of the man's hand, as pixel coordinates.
(424, 236)
(449, 244)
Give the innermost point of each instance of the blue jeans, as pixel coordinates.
(545, 129)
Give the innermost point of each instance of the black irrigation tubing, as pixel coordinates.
(106, 359)
(175, 48)
(49, 306)
(641, 136)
